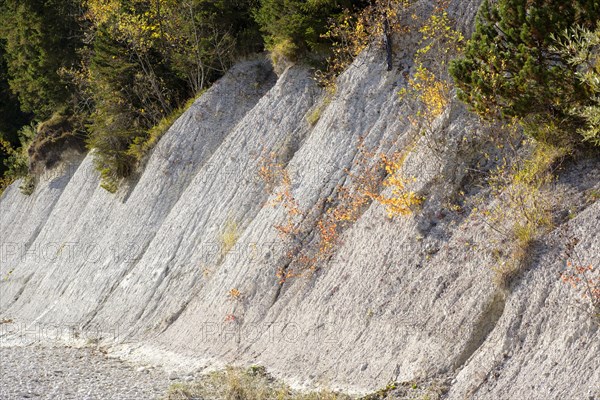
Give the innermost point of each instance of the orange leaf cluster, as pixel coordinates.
(580, 278)
(307, 250)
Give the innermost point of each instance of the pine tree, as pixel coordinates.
(41, 36)
(509, 69)
(118, 116)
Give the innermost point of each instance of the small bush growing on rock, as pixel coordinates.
(581, 279)
(429, 89)
(431, 84)
(315, 115)
(523, 211)
(401, 201)
(234, 294)
(229, 236)
(27, 185)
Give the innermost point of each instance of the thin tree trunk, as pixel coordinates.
(388, 42)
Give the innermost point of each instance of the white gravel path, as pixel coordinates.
(72, 373)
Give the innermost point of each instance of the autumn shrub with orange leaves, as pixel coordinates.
(311, 240)
(234, 294)
(581, 279)
(400, 201)
(430, 86)
(276, 178)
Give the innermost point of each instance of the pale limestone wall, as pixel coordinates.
(401, 299)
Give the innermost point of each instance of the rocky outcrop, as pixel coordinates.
(149, 269)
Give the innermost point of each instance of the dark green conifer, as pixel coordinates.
(508, 68)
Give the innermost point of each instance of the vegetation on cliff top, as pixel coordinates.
(114, 69)
(111, 70)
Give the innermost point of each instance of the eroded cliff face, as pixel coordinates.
(151, 272)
